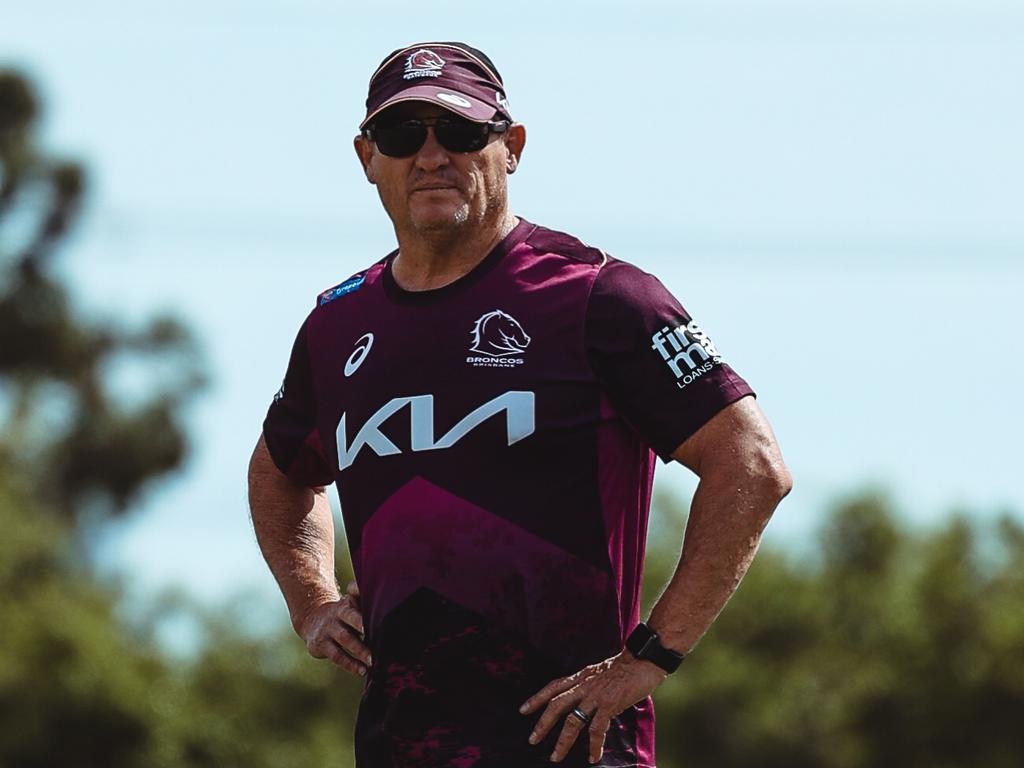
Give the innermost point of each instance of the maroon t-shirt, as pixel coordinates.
(492, 442)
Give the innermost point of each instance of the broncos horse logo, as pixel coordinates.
(423, 62)
(498, 334)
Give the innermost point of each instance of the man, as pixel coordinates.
(489, 399)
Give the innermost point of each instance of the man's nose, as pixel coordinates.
(431, 155)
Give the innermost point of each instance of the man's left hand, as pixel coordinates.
(602, 690)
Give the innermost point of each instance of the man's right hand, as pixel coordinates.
(334, 631)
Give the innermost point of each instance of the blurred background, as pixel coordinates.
(834, 189)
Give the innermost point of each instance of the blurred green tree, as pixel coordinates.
(81, 688)
(79, 685)
(81, 449)
(890, 647)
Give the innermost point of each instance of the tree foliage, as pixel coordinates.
(81, 688)
(63, 431)
(893, 648)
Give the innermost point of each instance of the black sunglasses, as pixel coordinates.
(455, 134)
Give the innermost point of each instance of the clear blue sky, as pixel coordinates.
(835, 191)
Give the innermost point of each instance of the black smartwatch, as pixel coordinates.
(644, 644)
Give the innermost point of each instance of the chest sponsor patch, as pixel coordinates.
(517, 407)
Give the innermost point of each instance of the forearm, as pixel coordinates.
(295, 532)
(725, 524)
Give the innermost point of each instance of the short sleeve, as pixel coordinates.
(290, 427)
(658, 367)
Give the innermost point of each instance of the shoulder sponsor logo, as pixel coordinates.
(359, 353)
(423, 63)
(352, 284)
(518, 408)
(687, 351)
(498, 340)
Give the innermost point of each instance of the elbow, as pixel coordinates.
(769, 474)
(781, 481)
(768, 486)
(760, 474)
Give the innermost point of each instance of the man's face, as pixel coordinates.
(437, 190)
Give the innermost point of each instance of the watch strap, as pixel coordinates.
(643, 643)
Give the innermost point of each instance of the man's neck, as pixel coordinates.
(424, 263)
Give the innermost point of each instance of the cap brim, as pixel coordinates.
(468, 106)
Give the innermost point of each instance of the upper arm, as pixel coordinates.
(738, 440)
(261, 465)
(291, 438)
(261, 462)
(656, 365)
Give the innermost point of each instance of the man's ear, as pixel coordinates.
(364, 151)
(515, 140)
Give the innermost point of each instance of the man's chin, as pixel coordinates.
(441, 220)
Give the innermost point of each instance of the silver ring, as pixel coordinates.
(581, 715)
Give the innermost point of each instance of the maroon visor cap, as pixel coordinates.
(452, 75)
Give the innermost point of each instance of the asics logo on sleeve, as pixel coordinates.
(519, 423)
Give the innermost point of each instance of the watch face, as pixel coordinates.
(639, 639)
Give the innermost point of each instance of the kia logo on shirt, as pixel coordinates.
(519, 423)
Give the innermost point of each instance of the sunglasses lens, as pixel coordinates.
(405, 138)
(461, 135)
(400, 139)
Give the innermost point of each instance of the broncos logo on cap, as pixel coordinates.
(423, 63)
(498, 334)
